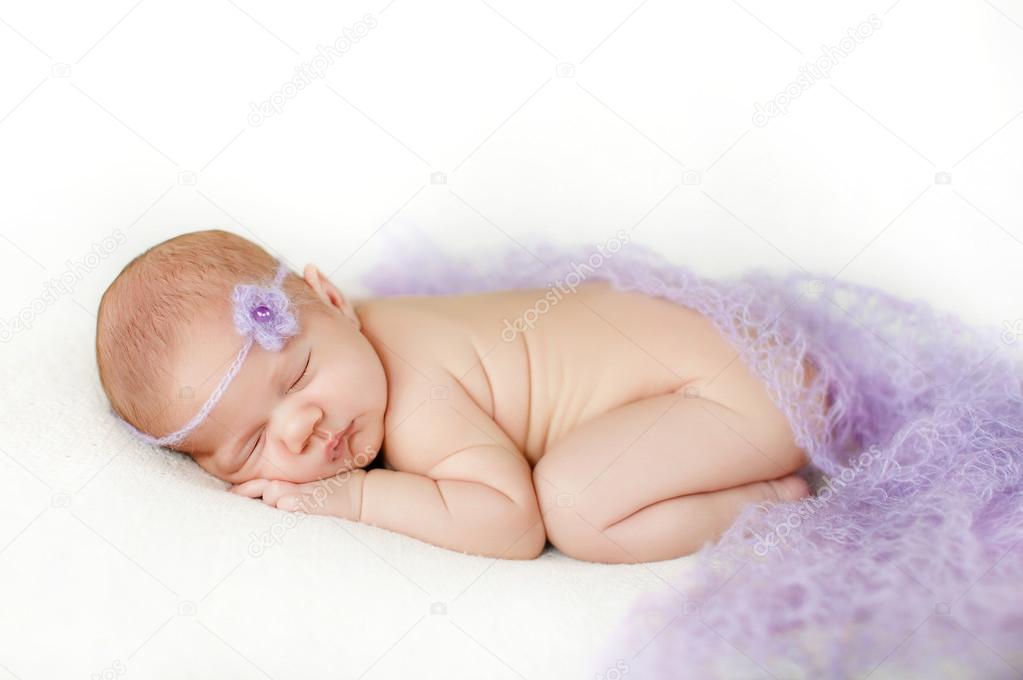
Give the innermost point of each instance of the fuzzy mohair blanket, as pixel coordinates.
(908, 560)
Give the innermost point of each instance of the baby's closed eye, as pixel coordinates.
(305, 369)
(294, 383)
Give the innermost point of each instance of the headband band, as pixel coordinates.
(262, 314)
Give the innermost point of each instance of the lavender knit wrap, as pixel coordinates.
(908, 562)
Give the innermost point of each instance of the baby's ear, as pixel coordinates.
(329, 293)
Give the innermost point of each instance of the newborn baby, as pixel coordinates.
(621, 427)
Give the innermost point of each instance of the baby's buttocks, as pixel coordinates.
(603, 348)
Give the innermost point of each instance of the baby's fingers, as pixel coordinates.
(252, 488)
(275, 489)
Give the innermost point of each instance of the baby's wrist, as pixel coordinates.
(355, 489)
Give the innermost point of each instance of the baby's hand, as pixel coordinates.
(339, 496)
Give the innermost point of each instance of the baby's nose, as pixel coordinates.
(302, 430)
(310, 439)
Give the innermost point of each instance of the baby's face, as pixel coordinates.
(284, 411)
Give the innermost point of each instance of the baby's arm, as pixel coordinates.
(479, 499)
(460, 483)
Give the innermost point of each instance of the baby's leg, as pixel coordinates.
(680, 526)
(657, 477)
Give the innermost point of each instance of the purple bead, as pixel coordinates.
(262, 313)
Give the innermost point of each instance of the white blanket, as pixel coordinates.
(119, 555)
(482, 122)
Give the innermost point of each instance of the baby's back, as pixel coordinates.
(539, 362)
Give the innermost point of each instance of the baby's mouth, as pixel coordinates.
(337, 446)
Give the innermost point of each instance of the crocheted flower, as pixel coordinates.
(263, 313)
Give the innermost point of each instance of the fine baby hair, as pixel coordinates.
(262, 314)
(151, 311)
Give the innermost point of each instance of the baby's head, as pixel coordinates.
(166, 338)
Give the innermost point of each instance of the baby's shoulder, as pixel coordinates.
(414, 336)
(428, 425)
(424, 350)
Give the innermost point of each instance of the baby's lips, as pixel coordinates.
(335, 441)
(344, 441)
(338, 445)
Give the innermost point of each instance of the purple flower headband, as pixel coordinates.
(262, 314)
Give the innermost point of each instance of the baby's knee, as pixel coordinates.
(570, 524)
(573, 535)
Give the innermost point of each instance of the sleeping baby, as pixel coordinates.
(419, 414)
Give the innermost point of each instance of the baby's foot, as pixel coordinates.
(790, 488)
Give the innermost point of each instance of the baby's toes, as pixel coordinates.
(790, 488)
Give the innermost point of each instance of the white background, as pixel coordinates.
(564, 120)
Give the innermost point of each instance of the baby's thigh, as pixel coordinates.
(653, 449)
